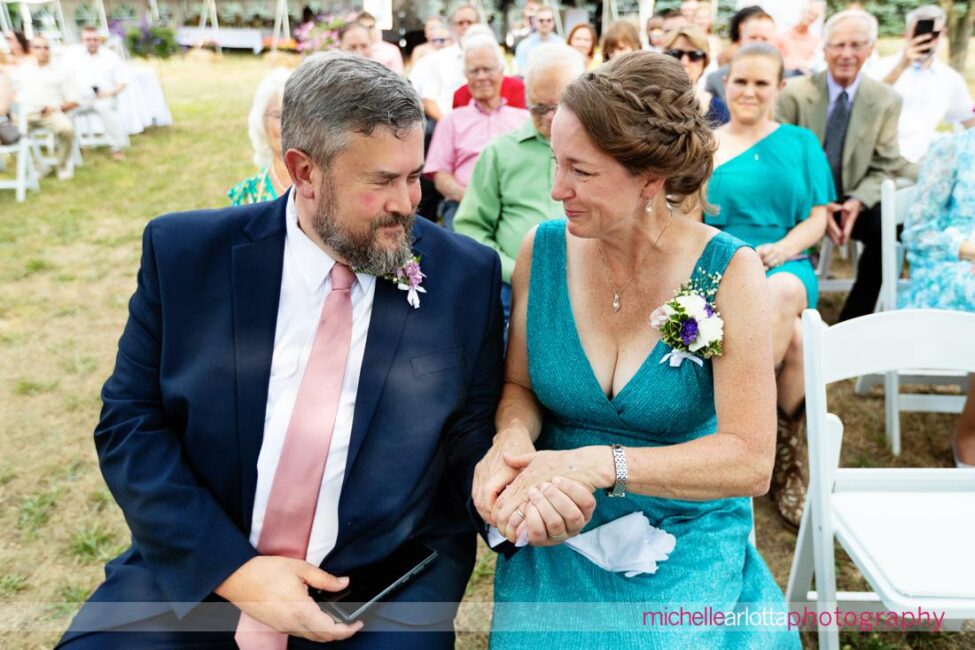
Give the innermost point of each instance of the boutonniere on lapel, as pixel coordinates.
(408, 278)
(690, 324)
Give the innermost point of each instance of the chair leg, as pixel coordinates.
(892, 414)
(801, 573)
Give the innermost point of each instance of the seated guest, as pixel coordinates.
(437, 76)
(544, 33)
(462, 134)
(512, 90)
(619, 38)
(264, 129)
(46, 94)
(799, 44)
(383, 52)
(102, 76)
(510, 188)
(932, 91)
(703, 17)
(939, 236)
(748, 25)
(655, 32)
(583, 40)
(19, 47)
(354, 38)
(437, 36)
(855, 118)
(689, 45)
(770, 187)
(674, 19)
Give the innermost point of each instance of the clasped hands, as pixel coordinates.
(538, 497)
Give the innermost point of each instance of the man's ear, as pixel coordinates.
(303, 171)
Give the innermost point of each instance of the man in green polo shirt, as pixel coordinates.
(510, 189)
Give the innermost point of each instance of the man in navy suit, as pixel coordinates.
(199, 432)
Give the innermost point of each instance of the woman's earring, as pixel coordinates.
(649, 208)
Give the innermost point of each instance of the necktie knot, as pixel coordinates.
(342, 277)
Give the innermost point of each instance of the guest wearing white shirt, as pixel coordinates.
(932, 91)
(46, 95)
(438, 75)
(544, 33)
(102, 76)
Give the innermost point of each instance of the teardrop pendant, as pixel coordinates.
(616, 302)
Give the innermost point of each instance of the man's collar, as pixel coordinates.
(527, 131)
(473, 102)
(834, 89)
(313, 263)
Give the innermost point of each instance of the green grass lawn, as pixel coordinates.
(68, 258)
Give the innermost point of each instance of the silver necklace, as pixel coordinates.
(618, 292)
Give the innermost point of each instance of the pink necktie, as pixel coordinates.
(298, 477)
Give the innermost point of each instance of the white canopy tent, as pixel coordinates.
(24, 8)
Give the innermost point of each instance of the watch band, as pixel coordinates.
(619, 460)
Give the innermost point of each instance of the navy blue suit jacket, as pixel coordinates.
(184, 410)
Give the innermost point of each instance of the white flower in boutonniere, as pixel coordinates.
(690, 324)
(408, 278)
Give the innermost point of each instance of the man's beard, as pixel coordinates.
(363, 251)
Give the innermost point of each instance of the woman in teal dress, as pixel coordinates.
(770, 189)
(586, 388)
(939, 236)
(264, 129)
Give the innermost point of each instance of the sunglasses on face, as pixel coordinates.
(692, 55)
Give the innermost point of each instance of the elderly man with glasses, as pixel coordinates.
(855, 118)
(510, 188)
(544, 33)
(463, 133)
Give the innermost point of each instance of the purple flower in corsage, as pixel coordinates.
(408, 278)
(690, 325)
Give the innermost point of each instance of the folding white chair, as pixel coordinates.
(895, 205)
(25, 175)
(43, 144)
(88, 128)
(828, 283)
(909, 531)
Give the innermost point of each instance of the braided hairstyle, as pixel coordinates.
(642, 110)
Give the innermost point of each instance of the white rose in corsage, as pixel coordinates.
(690, 324)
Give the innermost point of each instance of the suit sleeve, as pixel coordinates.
(886, 160)
(787, 109)
(188, 541)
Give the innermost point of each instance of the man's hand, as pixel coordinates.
(849, 211)
(47, 110)
(274, 591)
(492, 475)
(918, 50)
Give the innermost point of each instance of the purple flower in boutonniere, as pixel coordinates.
(408, 278)
(690, 325)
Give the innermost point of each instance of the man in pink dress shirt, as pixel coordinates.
(463, 133)
(383, 52)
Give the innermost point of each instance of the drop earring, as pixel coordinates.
(649, 208)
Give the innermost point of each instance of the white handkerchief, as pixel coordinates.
(628, 545)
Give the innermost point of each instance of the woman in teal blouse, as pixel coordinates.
(770, 187)
(264, 129)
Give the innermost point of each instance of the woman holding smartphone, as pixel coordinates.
(770, 185)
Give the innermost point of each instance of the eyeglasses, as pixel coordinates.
(856, 46)
(693, 55)
(541, 110)
(483, 70)
(545, 20)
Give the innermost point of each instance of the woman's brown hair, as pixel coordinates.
(592, 33)
(694, 35)
(620, 33)
(642, 110)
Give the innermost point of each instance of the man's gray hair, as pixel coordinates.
(333, 94)
(926, 12)
(481, 41)
(554, 55)
(849, 14)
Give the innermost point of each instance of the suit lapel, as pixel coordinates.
(256, 278)
(862, 115)
(819, 102)
(389, 312)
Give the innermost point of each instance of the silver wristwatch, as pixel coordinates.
(619, 460)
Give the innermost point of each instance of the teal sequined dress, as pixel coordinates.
(555, 598)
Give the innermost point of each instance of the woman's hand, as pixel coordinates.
(553, 513)
(772, 255)
(492, 474)
(592, 467)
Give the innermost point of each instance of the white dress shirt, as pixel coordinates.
(305, 283)
(439, 75)
(40, 86)
(103, 70)
(931, 95)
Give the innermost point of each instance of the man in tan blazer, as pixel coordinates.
(855, 118)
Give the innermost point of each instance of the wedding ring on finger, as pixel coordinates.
(558, 538)
(520, 513)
